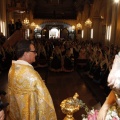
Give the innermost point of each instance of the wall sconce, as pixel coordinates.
(91, 34)
(88, 23)
(82, 33)
(2, 27)
(108, 33)
(79, 26)
(26, 22)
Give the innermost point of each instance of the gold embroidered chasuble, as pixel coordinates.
(28, 97)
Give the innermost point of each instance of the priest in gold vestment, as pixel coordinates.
(28, 97)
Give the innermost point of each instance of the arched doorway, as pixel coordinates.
(54, 33)
(56, 30)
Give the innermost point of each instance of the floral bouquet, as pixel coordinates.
(112, 113)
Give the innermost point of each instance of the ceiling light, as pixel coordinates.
(88, 23)
(26, 22)
(33, 24)
(79, 26)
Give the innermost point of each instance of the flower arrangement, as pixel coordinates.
(112, 113)
(91, 115)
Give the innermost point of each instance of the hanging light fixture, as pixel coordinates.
(79, 26)
(88, 23)
(79, 17)
(26, 22)
(33, 24)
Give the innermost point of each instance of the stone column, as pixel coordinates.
(114, 23)
(118, 28)
(3, 17)
(87, 33)
(97, 29)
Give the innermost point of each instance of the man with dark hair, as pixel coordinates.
(28, 97)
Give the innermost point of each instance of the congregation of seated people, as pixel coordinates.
(94, 59)
(100, 64)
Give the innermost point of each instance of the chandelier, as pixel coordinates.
(33, 24)
(88, 23)
(26, 22)
(79, 26)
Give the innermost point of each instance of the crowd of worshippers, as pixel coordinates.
(68, 56)
(94, 59)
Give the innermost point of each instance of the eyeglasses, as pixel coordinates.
(34, 51)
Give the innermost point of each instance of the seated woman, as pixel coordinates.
(101, 70)
(42, 57)
(114, 83)
(68, 62)
(56, 60)
(82, 58)
(62, 48)
(94, 71)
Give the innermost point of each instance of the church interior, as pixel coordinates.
(76, 42)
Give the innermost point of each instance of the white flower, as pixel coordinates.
(92, 111)
(84, 119)
(112, 114)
